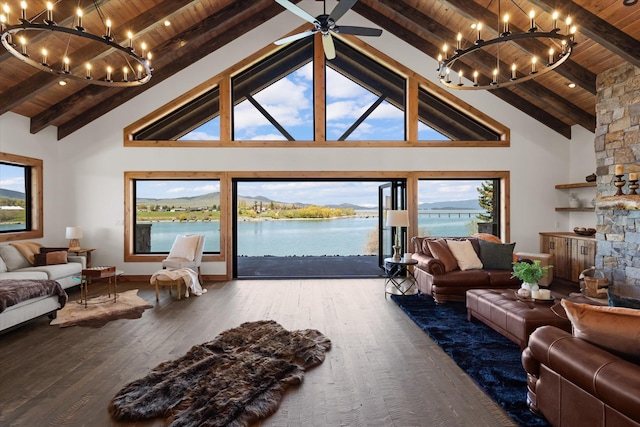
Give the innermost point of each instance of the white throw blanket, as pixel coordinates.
(189, 276)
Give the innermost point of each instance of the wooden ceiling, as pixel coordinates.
(608, 35)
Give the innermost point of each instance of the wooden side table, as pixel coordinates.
(84, 251)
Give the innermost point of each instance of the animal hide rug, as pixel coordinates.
(234, 380)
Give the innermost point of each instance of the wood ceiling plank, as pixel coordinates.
(207, 36)
(598, 30)
(402, 31)
(534, 89)
(44, 80)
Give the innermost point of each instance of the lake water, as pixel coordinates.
(343, 236)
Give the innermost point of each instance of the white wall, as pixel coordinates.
(91, 162)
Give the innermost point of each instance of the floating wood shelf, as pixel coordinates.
(576, 185)
(591, 209)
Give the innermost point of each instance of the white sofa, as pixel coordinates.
(13, 265)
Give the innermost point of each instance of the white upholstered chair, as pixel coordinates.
(186, 252)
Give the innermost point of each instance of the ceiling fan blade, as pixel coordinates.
(341, 8)
(329, 47)
(295, 9)
(358, 31)
(295, 37)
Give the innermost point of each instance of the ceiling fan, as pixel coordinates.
(326, 24)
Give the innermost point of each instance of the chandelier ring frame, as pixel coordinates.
(77, 32)
(447, 63)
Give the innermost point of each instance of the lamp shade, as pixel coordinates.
(73, 233)
(397, 218)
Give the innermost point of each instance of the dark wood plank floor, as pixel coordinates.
(382, 370)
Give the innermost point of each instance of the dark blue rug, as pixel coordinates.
(490, 359)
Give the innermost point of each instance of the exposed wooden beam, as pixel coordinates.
(532, 88)
(41, 81)
(207, 36)
(395, 26)
(570, 69)
(597, 29)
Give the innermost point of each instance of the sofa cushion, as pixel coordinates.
(58, 271)
(464, 254)
(496, 256)
(615, 329)
(3, 266)
(440, 250)
(24, 274)
(50, 258)
(13, 258)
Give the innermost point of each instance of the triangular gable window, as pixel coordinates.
(364, 100)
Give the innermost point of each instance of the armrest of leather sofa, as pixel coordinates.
(431, 265)
(602, 374)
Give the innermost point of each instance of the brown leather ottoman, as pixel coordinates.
(515, 319)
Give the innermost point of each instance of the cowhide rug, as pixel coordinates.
(102, 310)
(234, 380)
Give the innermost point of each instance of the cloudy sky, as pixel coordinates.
(363, 193)
(11, 177)
(290, 102)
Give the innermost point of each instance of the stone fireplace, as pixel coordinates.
(617, 141)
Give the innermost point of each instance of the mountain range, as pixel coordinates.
(10, 194)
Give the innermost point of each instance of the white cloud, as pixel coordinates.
(338, 86)
(200, 136)
(430, 191)
(268, 137)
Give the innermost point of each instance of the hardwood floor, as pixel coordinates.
(382, 369)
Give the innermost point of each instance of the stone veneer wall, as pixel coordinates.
(617, 141)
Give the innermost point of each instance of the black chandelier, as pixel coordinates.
(560, 50)
(131, 68)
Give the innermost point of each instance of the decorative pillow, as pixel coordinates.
(615, 329)
(184, 247)
(50, 258)
(464, 253)
(491, 238)
(441, 251)
(496, 256)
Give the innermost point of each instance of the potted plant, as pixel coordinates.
(530, 273)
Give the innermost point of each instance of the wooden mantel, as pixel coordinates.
(628, 202)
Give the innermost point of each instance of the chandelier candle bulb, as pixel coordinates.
(130, 36)
(554, 16)
(6, 10)
(513, 71)
(460, 78)
(65, 62)
(144, 49)
(49, 12)
(79, 15)
(125, 74)
(479, 27)
(108, 24)
(88, 75)
(533, 64)
(109, 70)
(495, 76)
(23, 42)
(458, 41)
(551, 52)
(532, 16)
(506, 24)
(23, 10)
(475, 78)
(44, 56)
(139, 72)
(568, 22)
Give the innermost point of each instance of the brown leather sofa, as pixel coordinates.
(572, 382)
(451, 286)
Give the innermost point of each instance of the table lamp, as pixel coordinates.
(74, 234)
(397, 219)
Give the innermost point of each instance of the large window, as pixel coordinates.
(292, 96)
(20, 197)
(458, 207)
(164, 205)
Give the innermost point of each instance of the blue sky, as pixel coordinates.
(364, 193)
(11, 177)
